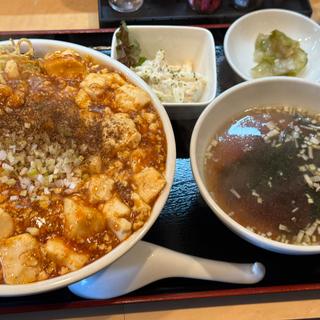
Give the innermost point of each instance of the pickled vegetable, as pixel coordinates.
(278, 55)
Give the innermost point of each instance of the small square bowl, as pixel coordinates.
(181, 45)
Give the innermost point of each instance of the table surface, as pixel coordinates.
(18, 15)
(23, 15)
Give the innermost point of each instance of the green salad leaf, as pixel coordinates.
(278, 55)
(128, 51)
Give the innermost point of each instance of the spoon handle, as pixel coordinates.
(175, 264)
(146, 263)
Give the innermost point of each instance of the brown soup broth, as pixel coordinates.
(263, 169)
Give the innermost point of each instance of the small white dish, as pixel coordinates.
(270, 91)
(181, 45)
(239, 41)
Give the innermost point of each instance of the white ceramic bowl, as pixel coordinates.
(42, 47)
(239, 41)
(181, 44)
(271, 91)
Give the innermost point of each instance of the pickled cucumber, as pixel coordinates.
(278, 55)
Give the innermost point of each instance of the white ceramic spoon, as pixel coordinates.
(146, 263)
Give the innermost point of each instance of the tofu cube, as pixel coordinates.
(67, 64)
(95, 164)
(7, 224)
(80, 220)
(100, 188)
(94, 85)
(140, 208)
(113, 80)
(117, 214)
(20, 259)
(82, 99)
(120, 133)
(149, 183)
(130, 98)
(64, 256)
(141, 211)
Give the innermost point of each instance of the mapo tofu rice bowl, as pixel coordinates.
(87, 158)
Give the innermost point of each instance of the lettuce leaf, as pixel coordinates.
(128, 51)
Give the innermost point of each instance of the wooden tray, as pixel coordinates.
(187, 225)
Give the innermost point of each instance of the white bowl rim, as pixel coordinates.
(164, 27)
(122, 248)
(224, 217)
(248, 15)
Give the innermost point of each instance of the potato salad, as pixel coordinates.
(172, 83)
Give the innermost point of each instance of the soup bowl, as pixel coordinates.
(271, 91)
(42, 47)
